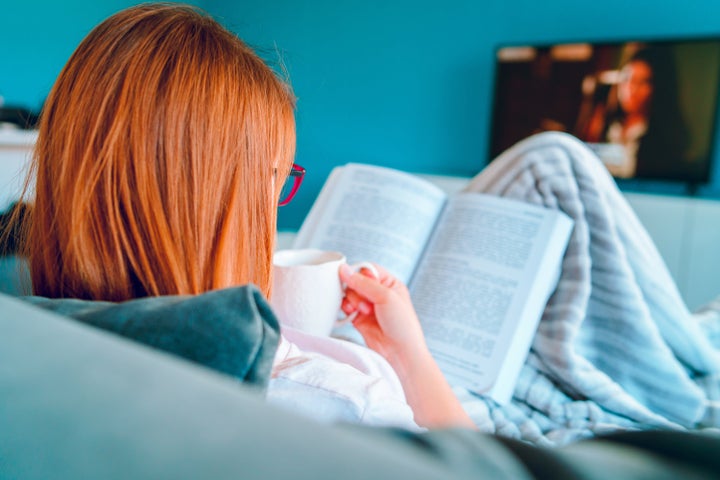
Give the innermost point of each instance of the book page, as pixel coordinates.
(374, 214)
(483, 282)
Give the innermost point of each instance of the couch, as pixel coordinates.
(94, 390)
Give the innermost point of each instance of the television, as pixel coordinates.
(646, 107)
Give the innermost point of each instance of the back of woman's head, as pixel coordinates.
(156, 161)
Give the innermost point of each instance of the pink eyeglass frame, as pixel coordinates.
(297, 173)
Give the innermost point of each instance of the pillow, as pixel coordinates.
(232, 331)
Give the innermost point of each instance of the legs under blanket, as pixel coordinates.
(616, 347)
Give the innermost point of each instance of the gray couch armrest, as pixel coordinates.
(79, 403)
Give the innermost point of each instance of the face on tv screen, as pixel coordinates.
(646, 108)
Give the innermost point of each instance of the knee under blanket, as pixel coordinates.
(616, 347)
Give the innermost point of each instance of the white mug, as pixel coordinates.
(307, 291)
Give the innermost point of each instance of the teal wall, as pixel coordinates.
(401, 83)
(407, 83)
(38, 37)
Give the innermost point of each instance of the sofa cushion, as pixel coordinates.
(232, 331)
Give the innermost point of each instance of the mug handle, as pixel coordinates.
(356, 268)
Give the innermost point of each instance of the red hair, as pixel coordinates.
(160, 152)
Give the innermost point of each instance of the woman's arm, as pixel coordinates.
(387, 321)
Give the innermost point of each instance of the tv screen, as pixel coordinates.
(647, 108)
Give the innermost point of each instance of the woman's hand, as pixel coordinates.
(385, 317)
(387, 321)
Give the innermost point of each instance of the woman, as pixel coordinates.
(649, 121)
(161, 155)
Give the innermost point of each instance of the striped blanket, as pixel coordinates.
(616, 347)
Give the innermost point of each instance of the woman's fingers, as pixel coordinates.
(369, 287)
(354, 301)
(360, 307)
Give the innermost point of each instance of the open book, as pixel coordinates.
(479, 268)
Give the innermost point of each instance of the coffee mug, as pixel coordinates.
(307, 292)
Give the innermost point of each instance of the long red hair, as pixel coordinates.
(160, 154)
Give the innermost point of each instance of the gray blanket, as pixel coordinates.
(616, 349)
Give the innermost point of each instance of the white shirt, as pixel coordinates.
(630, 139)
(336, 380)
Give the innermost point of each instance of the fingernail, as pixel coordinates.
(364, 308)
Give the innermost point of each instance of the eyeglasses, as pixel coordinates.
(291, 185)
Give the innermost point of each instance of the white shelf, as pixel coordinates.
(15, 151)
